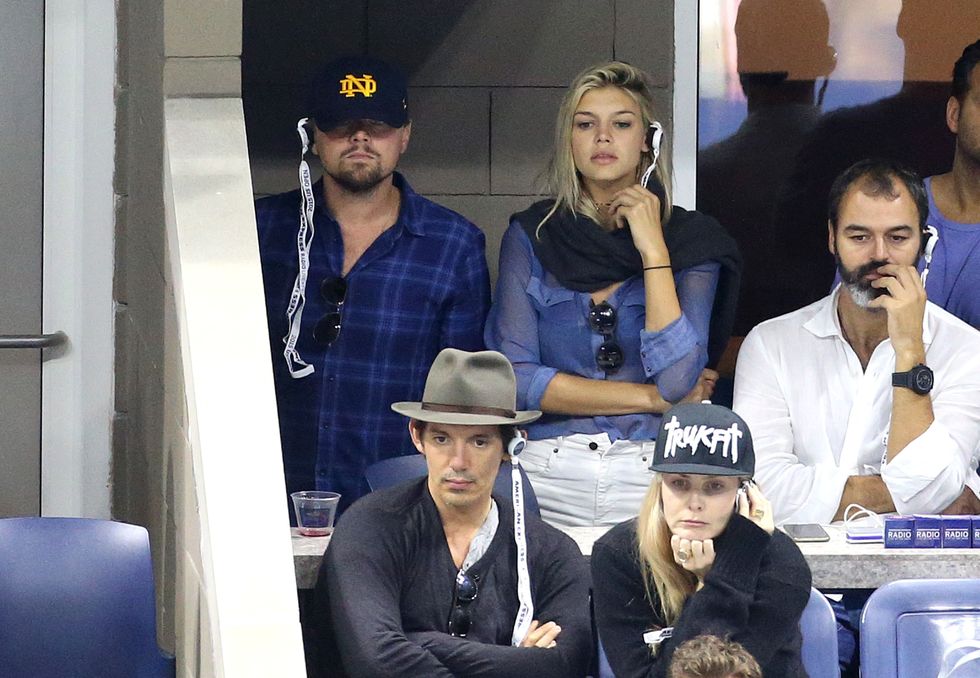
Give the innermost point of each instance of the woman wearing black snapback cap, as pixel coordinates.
(702, 557)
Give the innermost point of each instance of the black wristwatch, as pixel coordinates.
(919, 379)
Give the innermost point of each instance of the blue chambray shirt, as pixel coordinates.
(542, 327)
(421, 286)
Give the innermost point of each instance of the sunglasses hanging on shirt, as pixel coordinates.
(334, 292)
(464, 594)
(602, 319)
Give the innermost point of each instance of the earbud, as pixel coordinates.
(655, 136)
(516, 445)
(931, 236)
(743, 491)
(304, 137)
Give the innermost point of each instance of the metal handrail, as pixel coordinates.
(33, 340)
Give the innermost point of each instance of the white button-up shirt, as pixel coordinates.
(817, 417)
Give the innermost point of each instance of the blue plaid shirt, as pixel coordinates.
(420, 287)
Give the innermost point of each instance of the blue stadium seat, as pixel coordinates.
(819, 629)
(388, 472)
(918, 628)
(605, 670)
(76, 599)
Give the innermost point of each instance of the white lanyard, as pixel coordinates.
(526, 610)
(304, 238)
(655, 638)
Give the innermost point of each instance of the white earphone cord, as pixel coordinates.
(932, 239)
(656, 137)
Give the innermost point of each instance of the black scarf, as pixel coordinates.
(584, 257)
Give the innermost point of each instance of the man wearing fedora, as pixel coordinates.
(436, 577)
(365, 281)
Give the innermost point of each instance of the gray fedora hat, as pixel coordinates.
(469, 388)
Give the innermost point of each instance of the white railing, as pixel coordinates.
(237, 613)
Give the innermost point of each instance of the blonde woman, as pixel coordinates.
(701, 558)
(604, 300)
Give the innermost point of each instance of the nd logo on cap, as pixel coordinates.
(351, 85)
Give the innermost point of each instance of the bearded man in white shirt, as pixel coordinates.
(872, 394)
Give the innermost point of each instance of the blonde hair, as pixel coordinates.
(663, 579)
(561, 178)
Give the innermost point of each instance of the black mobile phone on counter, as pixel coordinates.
(806, 532)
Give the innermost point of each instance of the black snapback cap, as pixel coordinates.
(705, 439)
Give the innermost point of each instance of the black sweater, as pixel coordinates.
(385, 590)
(754, 593)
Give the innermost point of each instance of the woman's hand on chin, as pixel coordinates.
(694, 555)
(641, 209)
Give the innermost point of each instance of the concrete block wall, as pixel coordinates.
(485, 79)
(173, 48)
(141, 477)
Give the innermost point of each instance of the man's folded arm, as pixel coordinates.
(362, 587)
(480, 660)
(561, 595)
(800, 493)
(930, 472)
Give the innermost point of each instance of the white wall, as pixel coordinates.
(79, 141)
(237, 605)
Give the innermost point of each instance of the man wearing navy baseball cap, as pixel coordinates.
(359, 88)
(365, 282)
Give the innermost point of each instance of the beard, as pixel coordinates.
(854, 281)
(460, 500)
(359, 179)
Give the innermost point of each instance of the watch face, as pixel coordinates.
(922, 380)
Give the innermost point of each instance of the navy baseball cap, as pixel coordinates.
(358, 88)
(703, 439)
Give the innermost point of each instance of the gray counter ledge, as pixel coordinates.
(834, 564)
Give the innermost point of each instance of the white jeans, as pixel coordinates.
(586, 480)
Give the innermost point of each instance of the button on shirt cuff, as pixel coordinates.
(660, 350)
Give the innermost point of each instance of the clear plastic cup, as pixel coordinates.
(315, 512)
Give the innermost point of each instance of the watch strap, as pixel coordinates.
(911, 379)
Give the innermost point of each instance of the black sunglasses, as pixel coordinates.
(327, 329)
(464, 594)
(602, 319)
